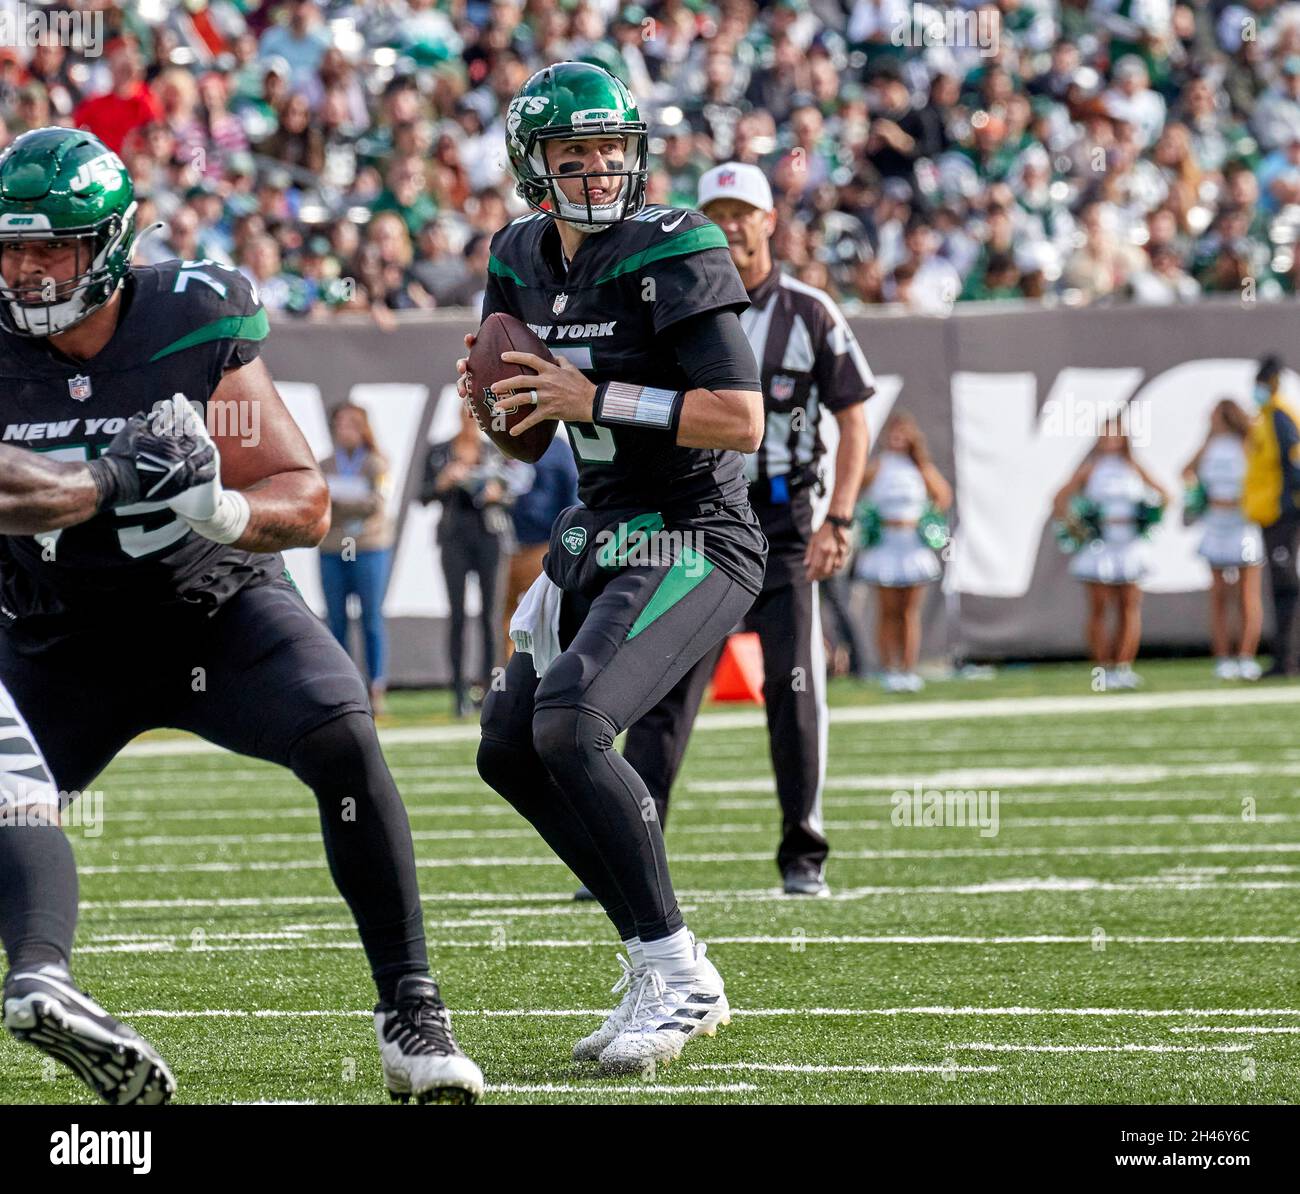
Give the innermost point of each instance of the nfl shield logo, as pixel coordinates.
(560, 301)
(79, 388)
(782, 387)
(727, 178)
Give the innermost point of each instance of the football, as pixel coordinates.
(504, 333)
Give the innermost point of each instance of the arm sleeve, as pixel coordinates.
(841, 371)
(714, 352)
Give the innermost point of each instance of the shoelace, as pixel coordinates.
(428, 1023)
(649, 996)
(624, 979)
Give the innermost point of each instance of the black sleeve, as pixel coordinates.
(714, 352)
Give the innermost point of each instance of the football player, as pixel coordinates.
(141, 586)
(659, 391)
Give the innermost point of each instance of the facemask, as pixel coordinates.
(1262, 393)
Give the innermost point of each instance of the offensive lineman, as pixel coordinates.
(658, 389)
(809, 359)
(125, 567)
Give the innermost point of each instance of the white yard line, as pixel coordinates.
(1249, 1029)
(725, 829)
(996, 777)
(782, 1067)
(819, 1012)
(644, 1088)
(296, 942)
(842, 856)
(978, 1047)
(976, 709)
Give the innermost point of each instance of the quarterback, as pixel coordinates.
(659, 392)
(141, 586)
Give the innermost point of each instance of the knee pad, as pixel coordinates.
(562, 733)
(499, 763)
(343, 753)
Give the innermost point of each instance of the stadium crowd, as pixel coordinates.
(350, 156)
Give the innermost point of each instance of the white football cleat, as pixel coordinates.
(1227, 669)
(591, 1047)
(668, 1011)
(420, 1056)
(1248, 669)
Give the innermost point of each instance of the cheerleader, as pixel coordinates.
(898, 485)
(1232, 545)
(1113, 563)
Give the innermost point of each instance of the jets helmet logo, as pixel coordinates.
(574, 540)
(106, 170)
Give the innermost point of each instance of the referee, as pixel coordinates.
(810, 361)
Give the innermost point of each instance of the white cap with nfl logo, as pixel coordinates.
(737, 180)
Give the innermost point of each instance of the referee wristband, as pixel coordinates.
(618, 404)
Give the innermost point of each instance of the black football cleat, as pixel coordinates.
(805, 879)
(45, 1009)
(420, 1056)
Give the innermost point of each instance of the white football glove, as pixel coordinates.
(212, 511)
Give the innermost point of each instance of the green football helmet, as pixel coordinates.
(561, 102)
(60, 184)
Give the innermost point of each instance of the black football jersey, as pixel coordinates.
(182, 325)
(607, 314)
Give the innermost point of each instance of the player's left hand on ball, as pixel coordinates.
(562, 391)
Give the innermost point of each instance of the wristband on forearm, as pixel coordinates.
(228, 523)
(619, 404)
(116, 481)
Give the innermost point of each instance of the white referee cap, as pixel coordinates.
(737, 180)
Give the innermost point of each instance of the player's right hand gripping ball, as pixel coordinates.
(504, 333)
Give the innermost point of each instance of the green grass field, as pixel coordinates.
(1128, 935)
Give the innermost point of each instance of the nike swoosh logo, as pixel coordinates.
(670, 227)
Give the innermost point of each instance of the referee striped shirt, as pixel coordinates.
(809, 360)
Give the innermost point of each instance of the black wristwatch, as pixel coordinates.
(836, 521)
